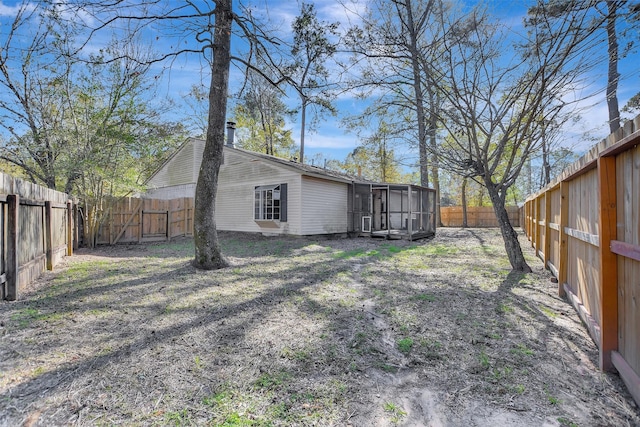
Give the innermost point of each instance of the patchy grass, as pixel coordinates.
(300, 331)
(405, 345)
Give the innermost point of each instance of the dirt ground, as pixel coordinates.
(299, 331)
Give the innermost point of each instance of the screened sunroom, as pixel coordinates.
(392, 211)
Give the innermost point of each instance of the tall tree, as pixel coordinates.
(197, 102)
(202, 29)
(607, 16)
(375, 158)
(400, 41)
(32, 104)
(208, 255)
(260, 118)
(493, 102)
(63, 115)
(307, 73)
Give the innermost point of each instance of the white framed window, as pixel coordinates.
(270, 203)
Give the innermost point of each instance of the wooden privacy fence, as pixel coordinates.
(37, 232)
(477, 216)
(135, 220)
(585, 226)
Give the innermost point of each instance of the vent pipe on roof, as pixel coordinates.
(231, 128)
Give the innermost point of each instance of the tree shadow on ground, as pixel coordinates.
(311, 335)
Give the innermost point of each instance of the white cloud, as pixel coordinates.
(325, 140)
(346, 12)
(12, 11)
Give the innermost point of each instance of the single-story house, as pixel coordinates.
(266, 194)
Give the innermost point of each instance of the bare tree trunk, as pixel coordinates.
(509, 235)
(481, 196)
(546, 166)
(465, 222)
(417, 87)
(208, 255)
(433, 143)
(612, 77)
(303, 119)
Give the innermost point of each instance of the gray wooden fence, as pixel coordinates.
(38, 230)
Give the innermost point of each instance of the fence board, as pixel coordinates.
(11, 254)
(628, 234)
(597, 248)
(23, 238)
(143, 220)
(3, 247)
(477, 216)
(608, 274)
(23, 243)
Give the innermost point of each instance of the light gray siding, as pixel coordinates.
(324, 206)
(182, 168)
(172, 192)
(239, 175)
(314, 205)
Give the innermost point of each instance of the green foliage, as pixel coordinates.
(25, 316)
(178, 418)
(85, 126)
(424, 297)
(405, 345)
(217, 399)
(548, 311)
(396, 411)
(307, 71)
(82, 125)
(260, 119)
(566, 422)
(270, 381)
(504, 308)
(375, 158)
(355, 253)
(550, 398)
(484, 359)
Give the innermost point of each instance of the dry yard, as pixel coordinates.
(357, 332)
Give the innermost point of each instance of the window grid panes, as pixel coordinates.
(267, 203)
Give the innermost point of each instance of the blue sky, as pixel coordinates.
(330, 139)
(333, 142)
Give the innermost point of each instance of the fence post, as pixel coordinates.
(536, 224)
(547, 228)
(76, 226)
(168, 224)
(532, 214)
(112, 218)
(564, 247)
(140, 221)
(608, 260)
(48, 234)
(69, 228)
(525, 223)
(186, 215)
(13, 210)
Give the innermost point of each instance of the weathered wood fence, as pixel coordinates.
(37, 232)
(477, 216)
(585, 226)
(134, 220)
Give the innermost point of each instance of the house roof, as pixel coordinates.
(302, 168)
